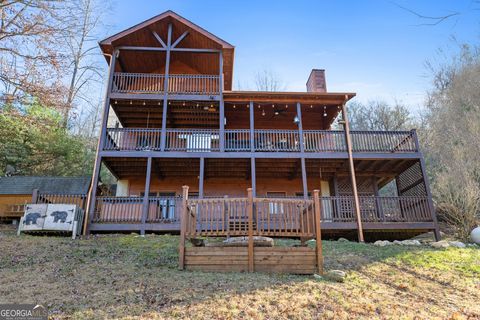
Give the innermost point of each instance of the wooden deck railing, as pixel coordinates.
(272, 216)
(141, 83)
(381, 141)
(130, 210)
(79, 200)
(192, 140)
(277, 140)
(233, 216)
(376, 209)
(238, 140)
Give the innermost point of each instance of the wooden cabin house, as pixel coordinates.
(172, 118)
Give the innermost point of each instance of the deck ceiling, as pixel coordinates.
(148, 114)
(164, 168)
(142, 35)
(205, 114)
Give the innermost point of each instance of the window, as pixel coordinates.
(274, 206)
(163, 204)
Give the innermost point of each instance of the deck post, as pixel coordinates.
(348, 141)
(91, 200)
(251, 266)
(145, 206)
(304, 178)
(253, 176)
(318, 230)
(300, 127)
(201, 178)
(252, 128)
(183, 229)
(436, 231)
(163, 136)
(35, 193)
(222, 104)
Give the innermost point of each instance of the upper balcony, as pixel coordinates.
(271, 141)
(177, 84)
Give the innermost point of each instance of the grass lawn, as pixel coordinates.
(131, 277)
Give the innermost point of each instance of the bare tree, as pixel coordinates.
(268, 80)
(379, 115)
(83, 69)
(451, 138)
(30, 62)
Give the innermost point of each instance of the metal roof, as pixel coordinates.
(60, 185)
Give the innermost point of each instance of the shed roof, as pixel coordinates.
(20, 185)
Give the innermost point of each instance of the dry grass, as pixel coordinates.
(131, 277)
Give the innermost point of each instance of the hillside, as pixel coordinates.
(133, 277)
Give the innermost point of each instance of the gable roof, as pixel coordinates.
(142, 35)
(22, 185)
(168, 13)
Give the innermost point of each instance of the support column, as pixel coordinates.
(318, 230)
(253, 176)
(300, 127)
(253, 173)
(252, 128)
(183, 229)
(163, 136)
(222, 105)
(436, 231)
(201, 178)
(145, 206)
(304, 178)
(251, 253)
(101, 141)
(352, 172)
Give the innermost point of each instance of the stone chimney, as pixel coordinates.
(316, 81)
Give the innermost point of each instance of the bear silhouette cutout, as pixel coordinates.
(32, 218)
(59, 216)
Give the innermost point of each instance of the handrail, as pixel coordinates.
(151, 83)
(239, 140)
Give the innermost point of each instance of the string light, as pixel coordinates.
(131, 102)
(324, 111)
(258, 106)
(234, 106)
(183, 104)
(248, 106)
(273, 106)
(263, 113)
(143, 103)
(311, 106)
(286, 106)
(116, 101)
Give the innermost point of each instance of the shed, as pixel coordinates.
(15, 191)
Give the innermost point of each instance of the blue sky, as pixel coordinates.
(372, 47)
